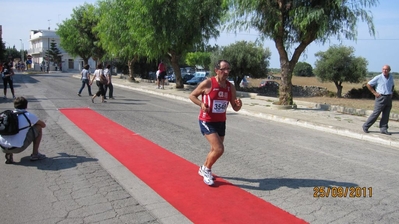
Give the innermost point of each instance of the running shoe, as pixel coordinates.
(201, 172)
(207, 175)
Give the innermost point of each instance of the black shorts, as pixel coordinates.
(213, 127)
(162, 76)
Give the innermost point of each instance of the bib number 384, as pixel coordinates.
(219, 106)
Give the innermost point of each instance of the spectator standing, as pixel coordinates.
(216, 92)
(7, 75)
(17, 143)
(382, 88)
(108, 75)
(85, 80)
(162, 75)
(42, 66)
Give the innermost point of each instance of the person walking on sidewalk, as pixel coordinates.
(17, 143)
(97, 76)
(217, 93)
(85, 80)
(382, 88)
(107, 73)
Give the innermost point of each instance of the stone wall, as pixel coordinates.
(297, 91)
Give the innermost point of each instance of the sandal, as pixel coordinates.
(9, 159)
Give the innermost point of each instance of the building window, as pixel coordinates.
(70, 64)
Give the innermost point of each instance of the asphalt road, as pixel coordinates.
(286, 165)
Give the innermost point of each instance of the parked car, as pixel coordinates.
(268, 83)
(150, 76)
(201, 74)
(196, 80)
(172, 77)
(187, 77)
(243, 84)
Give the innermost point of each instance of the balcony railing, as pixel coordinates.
(37, 50)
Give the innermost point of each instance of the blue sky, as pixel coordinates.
(381, 50)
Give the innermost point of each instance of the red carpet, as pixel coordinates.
(176, 179)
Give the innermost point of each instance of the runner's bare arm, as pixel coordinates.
(235, 102)
(202, 88)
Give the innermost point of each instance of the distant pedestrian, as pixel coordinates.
(97, 76)
(17, 143)
(85, 80)
(162, 75)
(382, 87)
(7, 75)
(216, 92)
(42, 66)
(108, 74)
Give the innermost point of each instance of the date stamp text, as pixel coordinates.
(342, 192)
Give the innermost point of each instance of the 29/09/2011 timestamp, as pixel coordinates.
(342, 192)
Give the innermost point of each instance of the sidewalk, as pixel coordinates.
(308, 115)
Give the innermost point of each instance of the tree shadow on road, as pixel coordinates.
(268, 184)
(63, 161)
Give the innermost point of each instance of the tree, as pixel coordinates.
(198, 58)
(300, 22)
(170, 29)
(246, 58)
(54, 54)
(77, 36)
(338, 64)
(11, 53)
(303, 69)
(115, 33)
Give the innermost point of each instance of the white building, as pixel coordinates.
(40, 41)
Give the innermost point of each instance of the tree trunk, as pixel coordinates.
(131, 69)
(285, 90)
(174, 60)
(86, 61)
(339, 89)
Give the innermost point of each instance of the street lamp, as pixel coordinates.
(22, 51)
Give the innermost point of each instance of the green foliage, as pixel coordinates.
(54, 54)
(115, 31)
(338, 64)
(77, 36)
(303, 69)
(198, 58)
(13, 52)
(173, 28)
(299, 22)
(246, 58)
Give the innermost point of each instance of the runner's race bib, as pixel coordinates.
(219, 106)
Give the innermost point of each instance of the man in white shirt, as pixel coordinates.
(382, 87)
(17, 143)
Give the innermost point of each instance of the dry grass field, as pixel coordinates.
(353, 103)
